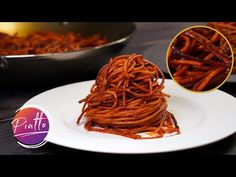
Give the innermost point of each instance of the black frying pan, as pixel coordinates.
(62, 68)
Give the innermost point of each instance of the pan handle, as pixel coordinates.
(3, 64)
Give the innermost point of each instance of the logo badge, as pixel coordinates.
(30, 127)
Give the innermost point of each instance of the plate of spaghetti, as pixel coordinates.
(131, 108)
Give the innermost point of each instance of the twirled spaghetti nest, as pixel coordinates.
(127, 100)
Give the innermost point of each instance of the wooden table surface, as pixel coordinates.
(146, 36)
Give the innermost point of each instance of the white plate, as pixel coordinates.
(203, 119)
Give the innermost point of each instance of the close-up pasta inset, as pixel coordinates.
(200, 58)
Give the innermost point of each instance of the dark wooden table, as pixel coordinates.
(146, 36)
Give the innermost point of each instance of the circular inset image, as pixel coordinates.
(200, 58)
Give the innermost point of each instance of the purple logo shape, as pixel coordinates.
(30, 127)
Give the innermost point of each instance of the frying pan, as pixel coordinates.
(66, 67)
